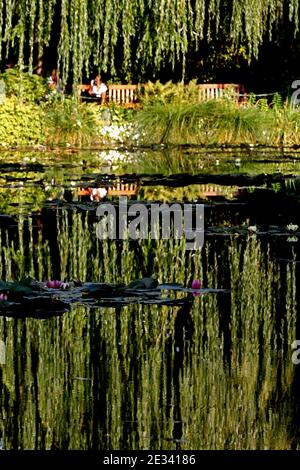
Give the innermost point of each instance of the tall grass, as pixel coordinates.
(71, 122)
(211, 122)
(219, 122)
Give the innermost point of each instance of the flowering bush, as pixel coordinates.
(122, 133)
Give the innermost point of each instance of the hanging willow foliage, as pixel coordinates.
(133, 36)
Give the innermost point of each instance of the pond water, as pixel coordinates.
(159, 369)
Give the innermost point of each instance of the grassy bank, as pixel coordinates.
(219, 122)
(60, 122)
(170, 114)
(33, 115)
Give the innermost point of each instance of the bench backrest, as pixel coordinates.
(210, 91)
(128, 94)
(123, 94)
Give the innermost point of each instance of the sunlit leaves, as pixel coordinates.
(131, 38)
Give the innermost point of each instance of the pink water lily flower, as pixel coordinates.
(53, 284)
(3, 296)
(196, 284)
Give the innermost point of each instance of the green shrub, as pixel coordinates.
(214, 121)
(28, 87)
(159, 93)
(68, 121)
(286, 128)
(20, 123)
(277, 101)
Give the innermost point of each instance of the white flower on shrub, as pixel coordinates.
(119, 133)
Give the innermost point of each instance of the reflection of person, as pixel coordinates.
(98, 89)
(95, 194)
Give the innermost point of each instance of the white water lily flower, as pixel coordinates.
(292, 239)
(65, 286)
(292, 227)
(252, 228)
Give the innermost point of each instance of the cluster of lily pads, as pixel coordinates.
(33, 298)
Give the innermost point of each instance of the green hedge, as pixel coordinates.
(21, 123)
(29, 87)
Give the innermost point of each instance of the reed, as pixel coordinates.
(69, 122)
(218, 122)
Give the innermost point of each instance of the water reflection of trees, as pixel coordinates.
(106, 378)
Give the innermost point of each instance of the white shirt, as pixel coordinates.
(98, 90)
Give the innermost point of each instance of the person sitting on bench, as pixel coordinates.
(98, 89)
(54, 83)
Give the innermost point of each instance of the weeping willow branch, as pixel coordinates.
(134, 35)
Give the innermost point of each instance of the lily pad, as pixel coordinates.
(32, 298)
(145, 283)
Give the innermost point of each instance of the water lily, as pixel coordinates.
(196, 284)
(3, 297)
(292, 227)
(65, 286)
(292, 239)
(53, 284)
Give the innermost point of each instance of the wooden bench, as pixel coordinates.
(87, 88)
(127, 95)
(212, 91)
(124, 95)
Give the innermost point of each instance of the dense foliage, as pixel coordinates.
(20, 123)
(137, 37)
(27, 86)
(71, 122)
(173, 114)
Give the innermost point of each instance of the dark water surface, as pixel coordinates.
(177, 371)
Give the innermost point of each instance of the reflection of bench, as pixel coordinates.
(121, 189)
(84, 192)
(118, 189)
(209, 190)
